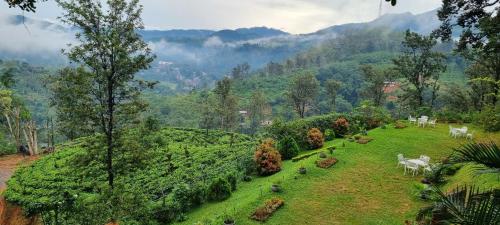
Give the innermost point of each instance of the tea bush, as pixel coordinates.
(178, 174)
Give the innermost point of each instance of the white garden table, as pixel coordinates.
(419, 162)
(462, 131)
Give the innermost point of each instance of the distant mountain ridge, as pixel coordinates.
(188, 58)
(423, 23)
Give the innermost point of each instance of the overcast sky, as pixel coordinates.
(294, 16)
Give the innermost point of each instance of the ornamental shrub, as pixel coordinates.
(329, 135)
(288, 148)
(219, 190)
(341, 126)
(267, 158)
(315, 138)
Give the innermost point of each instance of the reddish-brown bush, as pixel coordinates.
(264, 212)
(267, 158)
(341, 126)
(315, 138)
(326, 163)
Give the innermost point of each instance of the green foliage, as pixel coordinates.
(219, 190)
(157, 181)
(288, 147)
(302, 91)
(6, 147)
(329, 135)
(464, 205)
(420, 66)
(486, 156)
(489, 119)
(371, 116)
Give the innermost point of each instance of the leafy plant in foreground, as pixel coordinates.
(485, 156)
(465, 205)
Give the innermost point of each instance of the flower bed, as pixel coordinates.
(364, 140)
(326, 163)
(264, 212)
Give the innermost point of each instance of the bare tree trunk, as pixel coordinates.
(17, 126)
(30, 134)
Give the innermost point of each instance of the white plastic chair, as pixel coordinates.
(425, 159)
(433, 123)
(470, 136)
(422, 121)
(412, 119)
(401, 160)
(413, 167)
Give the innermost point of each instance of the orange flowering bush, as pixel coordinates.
(315, 138)
(341, 126)
(267, 158)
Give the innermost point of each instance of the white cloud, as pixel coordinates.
(295, 16)
(31, 37)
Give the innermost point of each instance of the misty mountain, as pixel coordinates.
(192, 58)
(423, 23)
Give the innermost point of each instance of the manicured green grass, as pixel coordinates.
(364, 187)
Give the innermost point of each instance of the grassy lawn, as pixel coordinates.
(364, 187)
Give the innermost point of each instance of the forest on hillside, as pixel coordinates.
(114, 141)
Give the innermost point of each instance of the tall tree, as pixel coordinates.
(420, 66)
(302, 91)
(374, 84)
(258, 110)
(207, 110)
(227, 104)
(479, 40)
(70, 94)
(111, 52)
(240, 71)
(332, 88)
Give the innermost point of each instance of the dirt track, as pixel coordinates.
(9, 214)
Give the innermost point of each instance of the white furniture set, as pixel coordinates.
(413, 165)
(461, 133)
(422, 121)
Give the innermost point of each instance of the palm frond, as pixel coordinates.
(486, 156)
(469, 206)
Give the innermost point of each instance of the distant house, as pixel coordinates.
(390, 88)
(266, 123)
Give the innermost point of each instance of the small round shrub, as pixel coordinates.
(267, 158)
(399, 125)
(315, 138)
(341, 126)
(329, 135)
(288, 147)
(219, 190)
